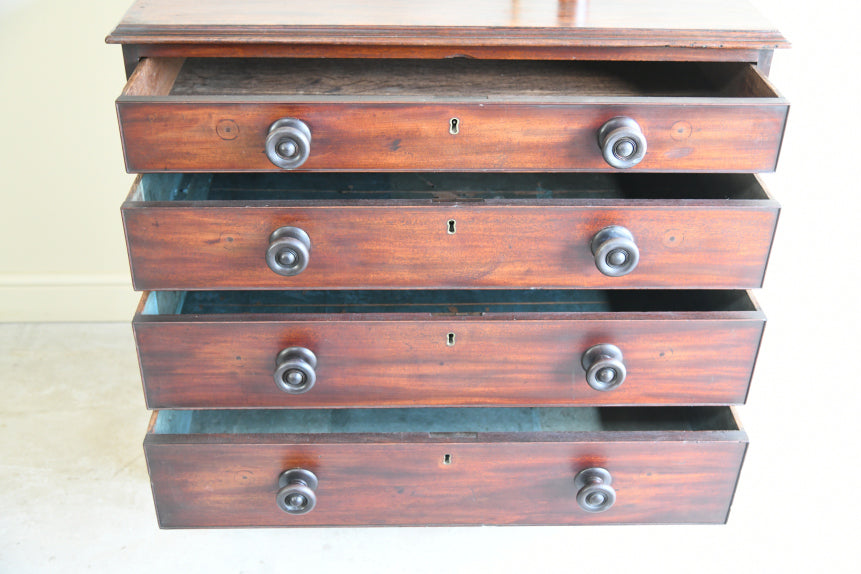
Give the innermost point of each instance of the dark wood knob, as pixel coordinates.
(297, 491)
(594, 492)
(615, 251)
(295, 370)
(289, 251)
(605, 370)
(622, 142)
(288, 143)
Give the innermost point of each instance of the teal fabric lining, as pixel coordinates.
(443, 302)
(444, 420)
(447, 187)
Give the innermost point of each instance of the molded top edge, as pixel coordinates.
(564, 23)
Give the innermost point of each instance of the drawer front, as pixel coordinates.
(412, 355)
(370, 120)
(501, 243)
(444, 478)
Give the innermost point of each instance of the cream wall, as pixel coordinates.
(62, 252)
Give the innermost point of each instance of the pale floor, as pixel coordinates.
(75, 496)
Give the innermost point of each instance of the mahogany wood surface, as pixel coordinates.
(182, 136)
(677, 30)
(429, 80)
(410, 132)
(401, 479)
(152, 80)
(404, 359)
(627, 23)
(198, 116)
(541, 243)
(132, 54)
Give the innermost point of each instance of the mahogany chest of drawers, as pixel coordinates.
(447, 263)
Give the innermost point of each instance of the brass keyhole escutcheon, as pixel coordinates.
(449, 340)
(454, 126)
(451, 227)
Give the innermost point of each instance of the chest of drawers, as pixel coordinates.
(435, 263)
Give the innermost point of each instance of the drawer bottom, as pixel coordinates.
(463, 466)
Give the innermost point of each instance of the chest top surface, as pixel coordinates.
(597, 23)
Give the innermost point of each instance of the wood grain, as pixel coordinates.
(670, 23)
(183, 137)
(454, 78)
(727, 132)
(542, 243)
(196, 119)
(403, 359)
(132, 53)
(527, 478)
(154, 77)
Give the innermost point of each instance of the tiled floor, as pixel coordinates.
(75, 496)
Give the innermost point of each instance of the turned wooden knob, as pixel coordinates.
(594, 492)
(289, 251)
(295, 370)
(297, 492)
(605, 370)
(288, 143)
(622, 142)
(615, 251)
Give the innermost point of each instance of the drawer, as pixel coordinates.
(457, 230)
(227, 115)
(444, 466)
(241, 349)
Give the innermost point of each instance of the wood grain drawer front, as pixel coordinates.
(383, 231)
(444, 466)
(215, 115)
(437, 348)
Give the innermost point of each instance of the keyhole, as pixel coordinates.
(446, 459)
(450, 340)
(454, 126)
(452, 227)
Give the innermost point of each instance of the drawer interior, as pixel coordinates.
(499, 420)
(463, 78)
(447, 186)
(444, 302)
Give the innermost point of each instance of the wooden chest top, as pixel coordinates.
(726, 24)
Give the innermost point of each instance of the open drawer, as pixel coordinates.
(444, 466)
(222, 115)
(239, 349)
(456, 230)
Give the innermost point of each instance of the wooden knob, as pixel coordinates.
(594, 492)
(288, 143)
(622, 142)
(295, 370)
(289, 251)
(297, 491)
(615, 251)
(605, 370)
